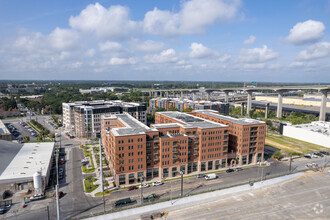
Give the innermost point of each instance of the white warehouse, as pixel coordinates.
(317, 132)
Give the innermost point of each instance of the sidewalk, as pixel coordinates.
(197, 199)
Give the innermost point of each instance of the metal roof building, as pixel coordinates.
(18, 163)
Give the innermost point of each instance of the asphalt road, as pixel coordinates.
(307, 197)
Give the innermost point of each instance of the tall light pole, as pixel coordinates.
(101, 174)
(141, 180)
(181, 173)
(57, 186)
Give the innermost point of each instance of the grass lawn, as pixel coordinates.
(89, 185)
(291, 145)
(88, 154)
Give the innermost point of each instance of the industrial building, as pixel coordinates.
(19, 163)
(179, 142)
(4, 132)
(317, 132)
(182, 104)
(83, 119)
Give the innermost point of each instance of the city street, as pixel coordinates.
(75, 203)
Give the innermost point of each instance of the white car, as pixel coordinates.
(314, 156)
(144, 186)
(157, 183)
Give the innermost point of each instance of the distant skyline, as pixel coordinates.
(196, 40)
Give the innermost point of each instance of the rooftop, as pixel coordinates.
(3, 128)
(241, 121)
(322, 127)
(30, 158)
(191, 121)
(132, 125)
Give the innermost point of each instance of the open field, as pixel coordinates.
(291, 145)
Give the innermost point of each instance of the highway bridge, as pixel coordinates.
(324, 89)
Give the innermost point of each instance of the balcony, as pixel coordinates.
(156, 146)
(253, 146)
(156, 159)
(156, 152)
(196, 153)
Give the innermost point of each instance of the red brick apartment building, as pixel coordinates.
(177, 142)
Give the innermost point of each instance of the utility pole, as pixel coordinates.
(48, 216)
(290, 163)
(101, 174)
(141, 180)
(181, 172)
(57, 186)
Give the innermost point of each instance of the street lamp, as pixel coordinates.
(181, 173)
(141, 180)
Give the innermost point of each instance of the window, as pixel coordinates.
(174, 171)
(165, 172)
(156, 172)
(195, 166)
(217, 164)
(183, 169)
(203, 166)
(210, 165)
(122, 179)
(244, 160)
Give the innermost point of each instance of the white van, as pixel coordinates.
(211, 176)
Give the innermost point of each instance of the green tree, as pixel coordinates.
(277, 155)
(173, 109)
(51, 136)
(187, 110)
(39, 138)
(26, 139)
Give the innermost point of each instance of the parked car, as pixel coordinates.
(318, 154)
(239, 169)
(314, 156)
(37, 197)
(60, 170)
(230, 170)
(131, 188)
(157, 183)
(211, 176)
(201, 175)
(60, 195)
(122, 202)
(60, 176)
(62, 161)
(308, 156)
(144, 186)
(150, 198)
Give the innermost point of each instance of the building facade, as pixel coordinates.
(83, 119)
(176, 142)
(167, 103)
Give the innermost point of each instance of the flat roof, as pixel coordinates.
(241, 121)
(3, 128)
(8, 151)
(322, 127)
(191, 121)
(132, 125)
(30, 158)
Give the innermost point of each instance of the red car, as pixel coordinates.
(132, 188)
(60, 194)
(62, 161)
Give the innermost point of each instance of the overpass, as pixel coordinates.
(324, 89)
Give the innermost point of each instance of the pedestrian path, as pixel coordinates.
(197, 199)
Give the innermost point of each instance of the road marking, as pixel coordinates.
(270, 206)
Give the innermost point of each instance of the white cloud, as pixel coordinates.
(113, 23)
(224, 58)
(90, 53)
(254, 65)
(306, 32)
(193, 17)
(146, 46)
(315, 51)
(166, 56)
(296, 64)
(62, 39)
(122, 61)
(200, 51)
(257, 55)
(251, 40)
(110, 45)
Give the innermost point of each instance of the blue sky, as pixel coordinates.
(211, 40)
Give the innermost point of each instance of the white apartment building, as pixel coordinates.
(82, 119)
